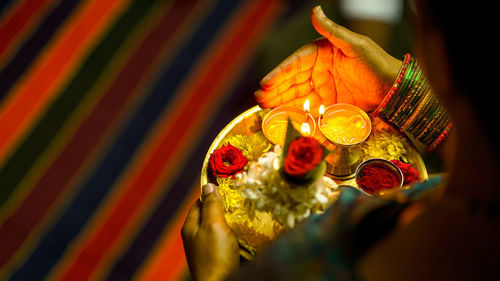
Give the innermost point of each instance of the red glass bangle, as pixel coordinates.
(395, 86)
(441, 137)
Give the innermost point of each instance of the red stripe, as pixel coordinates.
(170, 249)
(29, 92)
(106, 114)
(18, 22)
(52, 68)
(162, 154)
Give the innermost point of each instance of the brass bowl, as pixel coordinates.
(386, 164)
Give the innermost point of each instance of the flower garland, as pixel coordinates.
(286, 182)
(266, 189)
(385, 145)
(290, 185)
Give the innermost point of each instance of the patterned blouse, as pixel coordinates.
(328, 246)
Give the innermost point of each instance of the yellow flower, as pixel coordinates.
(232, 198)
(384, 145)
(252, 146)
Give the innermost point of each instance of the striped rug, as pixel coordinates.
(107, 108)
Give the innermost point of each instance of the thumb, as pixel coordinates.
(212, 209)
(339, 36)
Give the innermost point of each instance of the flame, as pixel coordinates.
(307, 107)
(321, 110)
(305, 129)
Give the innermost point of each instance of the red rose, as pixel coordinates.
(227, 161)
(303, 155)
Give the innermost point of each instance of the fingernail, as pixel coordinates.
(207, 189)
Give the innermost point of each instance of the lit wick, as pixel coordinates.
(321, 111)
(305, 129)
(306, 106)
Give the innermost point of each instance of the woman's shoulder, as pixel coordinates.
(336, 240)
(435, 240)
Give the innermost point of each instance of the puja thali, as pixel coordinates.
(256, 232)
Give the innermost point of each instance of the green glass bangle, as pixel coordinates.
(428, 120)
(435, 120)
(423, 100)
(409, 105)
(428, 104)
(399, 95)
(438, 128)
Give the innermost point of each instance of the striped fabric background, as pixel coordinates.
(107, 108)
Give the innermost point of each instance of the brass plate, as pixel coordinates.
(250, 122)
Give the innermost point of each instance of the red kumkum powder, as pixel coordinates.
(410, 175)
(376, 177)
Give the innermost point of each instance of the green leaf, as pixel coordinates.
(291, 135)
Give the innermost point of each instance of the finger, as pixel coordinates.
(212, 209)
(303, 76)
(192, 222)
(296, 91)
(269, 98)
(261, 97)
(339, 36)
(299, 61)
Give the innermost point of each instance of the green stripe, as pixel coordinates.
(23, 159)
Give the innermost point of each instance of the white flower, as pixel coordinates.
(263, 186)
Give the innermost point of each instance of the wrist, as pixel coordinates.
(412, 107)
(397, 80)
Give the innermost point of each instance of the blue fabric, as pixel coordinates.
(328, 246)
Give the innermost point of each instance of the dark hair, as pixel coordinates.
(469, 31)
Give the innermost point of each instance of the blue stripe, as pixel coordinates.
(99, 183)
(27, 53)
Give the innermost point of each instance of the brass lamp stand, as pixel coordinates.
(344, 158)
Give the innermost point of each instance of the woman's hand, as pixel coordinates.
(342, 67)
(212, 250)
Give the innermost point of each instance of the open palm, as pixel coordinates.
(342, 67)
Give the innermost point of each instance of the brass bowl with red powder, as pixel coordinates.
(377, 175)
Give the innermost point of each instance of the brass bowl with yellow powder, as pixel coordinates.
(275, 123)
(345, 124)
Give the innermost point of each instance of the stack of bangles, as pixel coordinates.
(413, 108)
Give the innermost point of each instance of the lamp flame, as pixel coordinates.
(307, 107)
(321, 110)
(305, 129)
